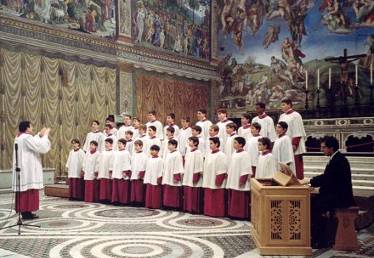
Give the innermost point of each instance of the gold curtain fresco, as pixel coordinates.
(166, 95)
(52, 92)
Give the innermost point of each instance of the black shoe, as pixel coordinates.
(26, 215)
(34, 216)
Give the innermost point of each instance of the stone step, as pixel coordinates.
(323, 163)
(365, 188)
(355, 170)
(367, 177)
(350, 158)
(368, 189)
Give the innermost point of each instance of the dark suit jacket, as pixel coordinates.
(335, 184)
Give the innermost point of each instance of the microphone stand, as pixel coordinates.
(18, 197)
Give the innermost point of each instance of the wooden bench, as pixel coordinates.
(346, 235)
(57, 190)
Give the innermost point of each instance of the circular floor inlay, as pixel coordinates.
(137, 250)
(70, 206)
(127, 213)
(56, 224)
(200, 222)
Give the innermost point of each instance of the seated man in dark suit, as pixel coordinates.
(335, 191)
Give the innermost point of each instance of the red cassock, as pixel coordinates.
(137, 191)
(153, 198)
(193, 199)
(238, 204)
(76, 188)
(120, 191)
(91, 190)
(27, 201)
(214, 202)
(105, 192)
(171, 196)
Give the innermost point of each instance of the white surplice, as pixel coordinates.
(240, 165)
(74, 163)
(121, 163)
(29, 161)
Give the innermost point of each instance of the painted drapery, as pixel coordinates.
(169, 95)
(51, 92)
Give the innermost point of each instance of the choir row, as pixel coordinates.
(153, 132)
(175, 181)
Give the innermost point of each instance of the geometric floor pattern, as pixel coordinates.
(78, 229)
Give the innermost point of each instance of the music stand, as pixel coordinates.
(18, 196)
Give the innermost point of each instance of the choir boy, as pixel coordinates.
(297, 134)
(152, 121)
(170, 121)
(252, 145)
(136, 124)
(153, 179)
(282, 149)
(239, 172)
(196, 131)
(138, 162)
(184, 133)
(129, 141)
(108, 132)
(229, 146)
(110, 120)
(94, 135)
(90, 170)
(172, 177)
(213, 132)
(153, 140)
(105, 171)
(121, 174)
(222, 122)
(125, 127)
(245, 130)
(266, 122)
(75, 175)
(165, 143)
(214, 180)
(267, 165)
(204, 123)
(192, 178)
(144, 138)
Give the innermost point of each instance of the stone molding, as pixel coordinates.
(341, 128)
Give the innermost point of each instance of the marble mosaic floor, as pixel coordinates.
(78, 229)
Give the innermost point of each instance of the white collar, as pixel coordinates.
(333, 155)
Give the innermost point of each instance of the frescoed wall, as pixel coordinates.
(91, 16)
(269, 47)
(181, 26)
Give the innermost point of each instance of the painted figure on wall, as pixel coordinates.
(179, 26)
(269, 47)
(125, 14)
(92, 16)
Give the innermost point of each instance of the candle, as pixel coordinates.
(329, 78)
(371, 74)
(306, 79)
(356, 66)
(318, 81)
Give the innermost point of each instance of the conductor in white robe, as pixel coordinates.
(29, 147)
